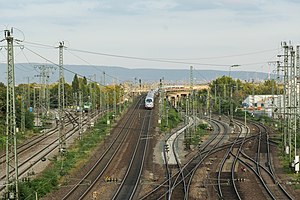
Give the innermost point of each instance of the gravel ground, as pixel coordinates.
(200, 189)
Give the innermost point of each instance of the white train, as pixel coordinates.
(149, 100)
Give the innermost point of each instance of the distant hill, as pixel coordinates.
(124, 74)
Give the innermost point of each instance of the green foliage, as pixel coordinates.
(225, 91)
(49, 179)
(75, 84)
(173, 119)
(200, 132)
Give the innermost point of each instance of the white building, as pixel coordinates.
(264, 104)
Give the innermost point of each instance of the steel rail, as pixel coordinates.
(129, 119)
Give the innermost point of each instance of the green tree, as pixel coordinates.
(75, 88)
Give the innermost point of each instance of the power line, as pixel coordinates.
(70, 50)
(163, 59)
(58, 66)
(39, 44)
(113, 77)
(225, 56)
(144, 59)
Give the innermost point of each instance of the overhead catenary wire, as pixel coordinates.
(170, 60)
(161, 60)
(144, 59)
(173, 61)
(225, 56)
(53, 47)
(113, 77)
(68, 70)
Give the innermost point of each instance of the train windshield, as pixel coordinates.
(149, 100)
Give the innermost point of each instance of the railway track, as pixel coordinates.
(104, 161)
(36, 150)
(261, 166)
(160, 192)
(228, 184)
(130, 182)
(227, 188)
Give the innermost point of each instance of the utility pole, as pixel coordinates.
(80, 115)
(61, 102)
(42, 92)
(115, 99)
(94, 94)
(28, 93)
(285, 97)
(279, 98)
(12, 176)
(192, 97)
(208, 104)
(293, 103)
(100, 95)
(119, 96)
(36, 106)
(298, 92)
(160, 101)
(44, 95)
(48, 72)
(106, 97)
(23, 111)
(231, 105)
(187, 130)
(91, 99)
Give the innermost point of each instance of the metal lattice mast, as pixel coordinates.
(80, 115)
(94, 93)
(298, 92)
(43, 74)
(186, 121)
(106, 99)
(23, 110)
(115, 98)
(90, 102)
(44, 81)
(285, 94)
(42, 96)
(11, 138)
(293, 102)
(279, 99)
(49, 69)
(28, 93)
(160, 101)
(192, 98)
(34, 103)
(100, 95)
(61, 101)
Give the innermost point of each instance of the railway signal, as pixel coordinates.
(167, 147)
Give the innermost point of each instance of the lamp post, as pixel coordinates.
(232, 67)
(231, 106)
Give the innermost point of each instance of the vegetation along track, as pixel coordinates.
(81, 190)
(36, 149)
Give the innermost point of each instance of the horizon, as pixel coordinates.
(167, 34)
(126, 74)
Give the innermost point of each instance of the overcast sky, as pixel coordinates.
(206, 34)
